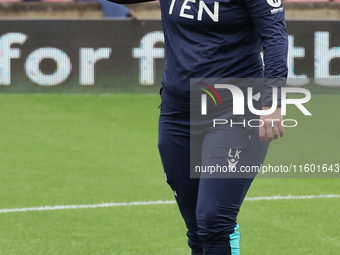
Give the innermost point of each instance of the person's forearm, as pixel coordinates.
(129, 1)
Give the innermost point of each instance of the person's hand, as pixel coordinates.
(272, 127)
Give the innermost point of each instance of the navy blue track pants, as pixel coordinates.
(209, 206)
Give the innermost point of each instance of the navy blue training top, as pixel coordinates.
(223, 38)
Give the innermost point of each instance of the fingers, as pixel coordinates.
(272, 126)
(278, 129)
(275, 132)
(282, 130)
(262, 133)
(270, 131)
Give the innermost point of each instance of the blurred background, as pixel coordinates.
(79, 166)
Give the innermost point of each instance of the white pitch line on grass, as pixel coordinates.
(158, 202)
(290, 197)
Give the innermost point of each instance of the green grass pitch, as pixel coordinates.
(90, 149)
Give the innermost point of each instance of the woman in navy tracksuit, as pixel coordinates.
(222, 38)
